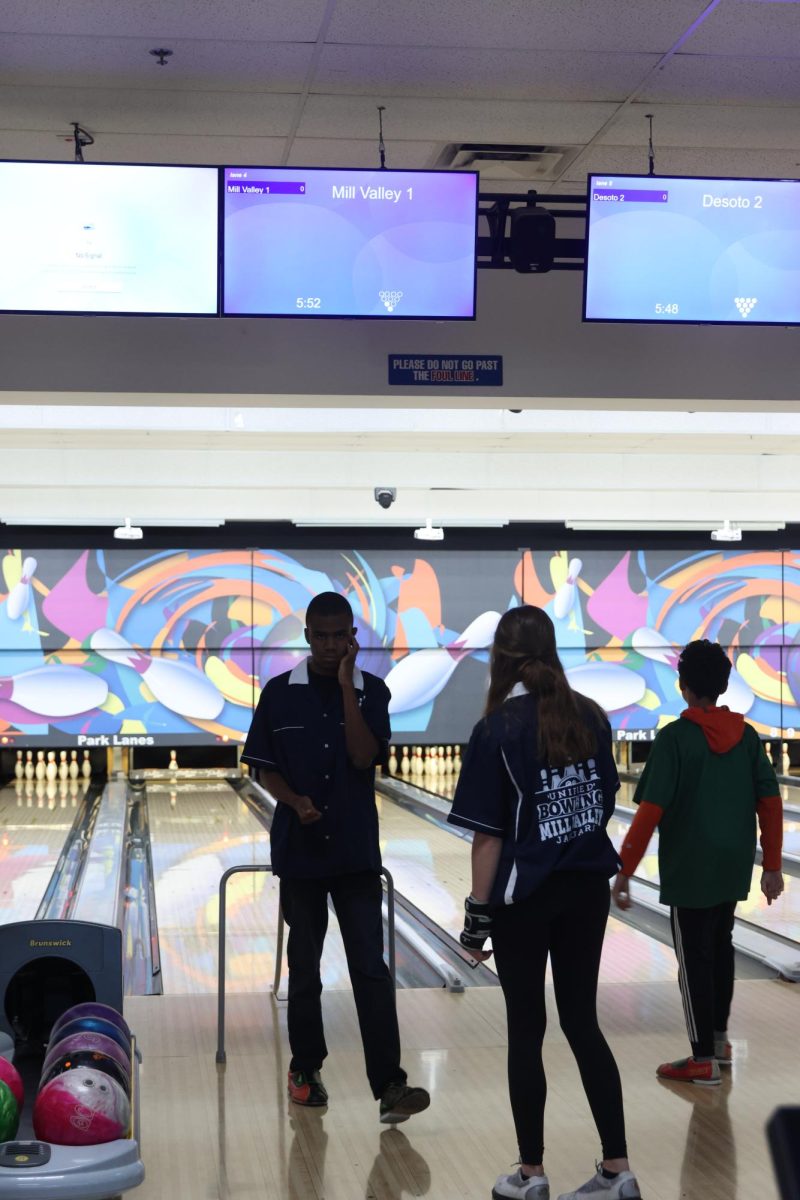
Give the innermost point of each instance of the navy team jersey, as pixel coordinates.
(549, 820)
(298, 731)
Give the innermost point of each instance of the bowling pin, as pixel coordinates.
(74, 769)
(41, 766)
(418, 766)
(55, 690)
(63, 766)
(52, 765)
(419, 677)
(610, 685)
(19, 766)
(392, 760)
(565, 597)
(786, 762)
(179, 686)
(405, 764)
(86, 765)
(457, 761)
(431, 765)
(173, 761)
(30, 770)
(448, 760)
(19, 597)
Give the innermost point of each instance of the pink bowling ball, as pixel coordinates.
(74, 1043)
(82, 1107)
(10, 1075)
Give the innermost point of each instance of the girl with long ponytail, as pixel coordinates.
(537, 788)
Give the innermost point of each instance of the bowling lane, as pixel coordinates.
(431, 867)
(782, 917)
(197, 832)
(35, 818)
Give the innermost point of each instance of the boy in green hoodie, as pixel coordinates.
(706, 780)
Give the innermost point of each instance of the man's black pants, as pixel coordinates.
(704, 946)
(357, 901)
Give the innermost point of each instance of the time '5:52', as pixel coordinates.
(308, 302)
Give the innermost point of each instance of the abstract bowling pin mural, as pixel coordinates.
(174, 647)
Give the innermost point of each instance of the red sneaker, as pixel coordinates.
(308, 1090)
(688, 1070)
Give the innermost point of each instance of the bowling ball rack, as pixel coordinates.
(30, 1167)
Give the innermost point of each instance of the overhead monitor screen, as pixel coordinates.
(699, 250)
(344, 243)
(108, 238)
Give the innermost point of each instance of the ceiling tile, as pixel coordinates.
(268, 20)
(171, 113)
(749, 27)
(709, 125)
(146, 148)
(343, 152)
(619, 25)
(413, 119)
(125, 62)
(480, 73)
(726, 80)
(679, 160)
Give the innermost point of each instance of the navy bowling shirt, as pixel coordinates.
(298, 731)
(549, 820)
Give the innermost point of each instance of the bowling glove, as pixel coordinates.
(477, 924)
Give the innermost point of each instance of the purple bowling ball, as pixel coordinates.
(95, 1026)
(79, 1042)
(91, 1008)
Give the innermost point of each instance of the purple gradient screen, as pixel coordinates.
(340, 243)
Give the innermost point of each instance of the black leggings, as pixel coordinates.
(565, 918)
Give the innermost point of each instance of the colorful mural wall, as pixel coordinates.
(129, 648)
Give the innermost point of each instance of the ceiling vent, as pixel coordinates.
(505, 160)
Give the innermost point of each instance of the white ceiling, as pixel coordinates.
(298, 83)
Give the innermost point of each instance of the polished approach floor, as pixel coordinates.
(230, 1131)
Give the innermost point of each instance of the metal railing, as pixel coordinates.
(260, 868)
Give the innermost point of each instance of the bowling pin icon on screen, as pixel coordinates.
(179, 686)
(19, 597)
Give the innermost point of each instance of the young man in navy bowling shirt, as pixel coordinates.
(317, 733)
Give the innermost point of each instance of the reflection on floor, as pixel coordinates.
(198, 831)
(231, 1133)
(35, 818)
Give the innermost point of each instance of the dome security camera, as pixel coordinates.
(385, 496)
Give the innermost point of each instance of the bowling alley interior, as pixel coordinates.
(448, 309)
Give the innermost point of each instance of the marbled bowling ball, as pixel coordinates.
(10, 1075)
(95, 1059)
(9, 1114)
(93, 1025)
(86, 1041)
(91, 1008)
(83, 1107)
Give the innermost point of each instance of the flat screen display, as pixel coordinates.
(722, 251)
(344, 243)
(108, 238)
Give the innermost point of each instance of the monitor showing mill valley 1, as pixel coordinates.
(346, 243)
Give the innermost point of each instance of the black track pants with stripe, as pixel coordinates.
(704, 946)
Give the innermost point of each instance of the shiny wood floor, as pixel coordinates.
(231, 1133)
